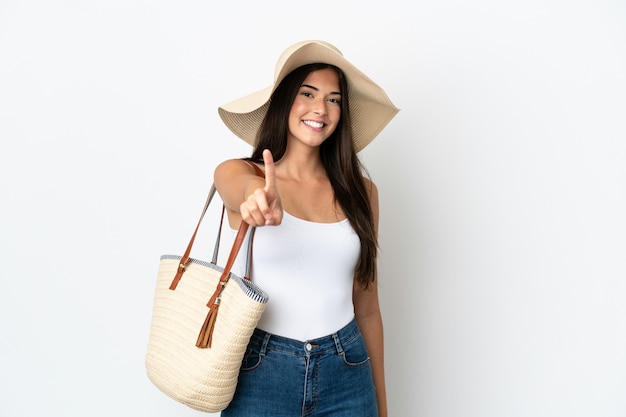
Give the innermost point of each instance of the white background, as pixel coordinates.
(502, 185)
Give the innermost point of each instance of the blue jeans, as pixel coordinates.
(329, 376)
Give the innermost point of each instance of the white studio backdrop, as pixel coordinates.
(502, 185)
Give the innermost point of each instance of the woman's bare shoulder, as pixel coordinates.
(231, 167)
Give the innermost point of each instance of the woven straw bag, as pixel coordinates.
(195, 348)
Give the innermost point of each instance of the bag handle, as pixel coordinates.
(237, 242)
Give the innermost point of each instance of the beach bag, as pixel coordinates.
(203, 316)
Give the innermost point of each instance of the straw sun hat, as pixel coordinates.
(370, 108)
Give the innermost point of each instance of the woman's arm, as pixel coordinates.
(369, 318)
(248, 196)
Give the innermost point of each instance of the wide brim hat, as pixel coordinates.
(370, 107)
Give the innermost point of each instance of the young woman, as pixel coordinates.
(318, 349)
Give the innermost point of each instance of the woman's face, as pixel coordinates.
(316, 110)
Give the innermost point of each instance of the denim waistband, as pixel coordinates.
(270, 342)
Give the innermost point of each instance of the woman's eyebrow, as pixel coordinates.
(317, 89)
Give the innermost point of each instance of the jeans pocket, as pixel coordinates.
(251, 360)
(355, 353)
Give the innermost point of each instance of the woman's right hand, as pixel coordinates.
(263, 206)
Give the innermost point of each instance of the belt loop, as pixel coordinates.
(338, 345)
(266, 340)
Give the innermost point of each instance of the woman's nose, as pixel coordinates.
(319, 107)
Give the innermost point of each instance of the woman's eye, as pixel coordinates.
(334, 100)
(307, 94)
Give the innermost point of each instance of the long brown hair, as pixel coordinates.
(342, 165)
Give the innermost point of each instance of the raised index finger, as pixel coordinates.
(270, 176)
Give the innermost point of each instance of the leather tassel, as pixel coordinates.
(206, 332)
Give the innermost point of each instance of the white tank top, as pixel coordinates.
(307, 270)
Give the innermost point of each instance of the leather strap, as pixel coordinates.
(185, 258)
